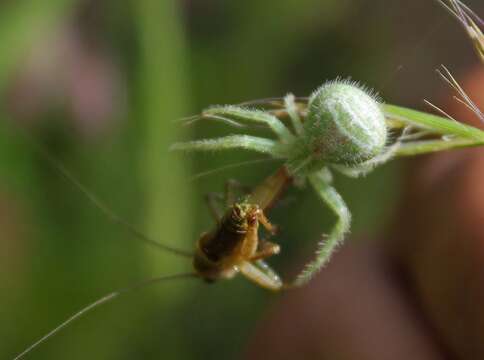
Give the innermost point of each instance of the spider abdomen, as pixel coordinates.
(344, 125)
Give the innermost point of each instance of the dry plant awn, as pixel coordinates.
(470, 21)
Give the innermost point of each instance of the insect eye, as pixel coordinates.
(237, 210)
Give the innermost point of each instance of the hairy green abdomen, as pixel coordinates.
(344, 125)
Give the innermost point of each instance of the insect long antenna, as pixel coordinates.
(101, 301)
(105, 209)
(273, 101)
(230, 166)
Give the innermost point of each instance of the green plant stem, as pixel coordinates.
(424, 147)
(437, 124)
(162, 98)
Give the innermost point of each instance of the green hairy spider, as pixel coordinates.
(341, 127)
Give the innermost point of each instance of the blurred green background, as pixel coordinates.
(100, 83)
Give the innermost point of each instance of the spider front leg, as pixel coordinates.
(236, 113)
(331, 197)
(246, 142)
(233, 114)
(366, 167)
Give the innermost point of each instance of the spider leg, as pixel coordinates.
(367, 166)
(236, 113)
(291, 108)
(326, 248)
(247, 142)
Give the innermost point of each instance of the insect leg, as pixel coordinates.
(261, 274)
(326, 248)
(250, 243)
(265, 222)
(266, 249)
(252, 248)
